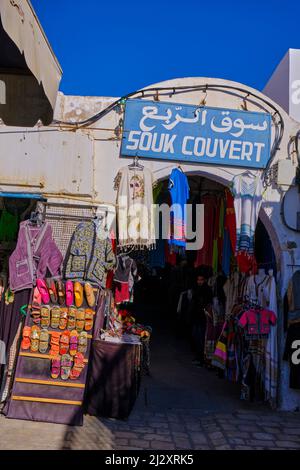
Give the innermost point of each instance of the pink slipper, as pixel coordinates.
(69, 293)
(42, 287)
(37, 299)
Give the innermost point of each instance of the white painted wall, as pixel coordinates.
(284, 84)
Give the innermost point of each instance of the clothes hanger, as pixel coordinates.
(36, 218)
(135, 165)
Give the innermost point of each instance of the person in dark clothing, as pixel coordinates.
(201, 298)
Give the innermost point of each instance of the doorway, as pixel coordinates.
(175, 382)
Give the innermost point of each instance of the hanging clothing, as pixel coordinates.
(135, 209)
(180, 191)
(247, 191)
(255, 286)
(90, 255)
(205, 254)
(271, 353)
(35, 253)
(226, 253)
(125, 276)
(246, 263)
(110, 273)
(170, 257)
(230, 220)
(231, 291)
(257, 322)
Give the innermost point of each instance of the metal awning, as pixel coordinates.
(29, 71)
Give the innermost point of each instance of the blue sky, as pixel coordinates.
(110, 48)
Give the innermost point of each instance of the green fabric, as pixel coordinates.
(8, 226)
(215, 256)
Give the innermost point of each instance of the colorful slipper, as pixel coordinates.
(26, 337)
(73, 342)
(78, 366)
(60, 292)
(72, 318)
(45, 317)
(78, 294)
(63, 321)
(52, 290)
(69, 293)
(42, 287)
(44, 341)
(54, 343)
(89, 319)
(82, 342)
(34, 337)
(66, 364)
(80, 316)
(36, 316)
(89, 294)
(55, 367)
(64, 342)
(55, 317)
(36, 299)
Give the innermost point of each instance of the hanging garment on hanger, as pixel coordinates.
(135, 210)
(90, 255)
(247, 191)
(179, 190)
(256, 322)
(35, 252)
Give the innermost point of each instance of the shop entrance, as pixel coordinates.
(162, 300)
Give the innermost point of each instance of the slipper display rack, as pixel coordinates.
(36, 396)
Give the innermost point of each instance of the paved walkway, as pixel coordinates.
(179, 407)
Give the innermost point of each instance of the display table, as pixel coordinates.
(114, 379)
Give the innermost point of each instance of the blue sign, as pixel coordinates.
(188, 133)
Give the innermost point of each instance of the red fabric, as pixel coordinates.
(257, 321)
(170, 257)
(122, 292)
(205, 255)
(110, 274)
(246, 263)
(230, 221)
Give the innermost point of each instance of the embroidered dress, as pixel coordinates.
(135, 208)
(179, 189)
(247, 191)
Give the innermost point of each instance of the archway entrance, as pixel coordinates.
(162, 300)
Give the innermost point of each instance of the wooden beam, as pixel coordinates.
(49, 382)
(46, 400)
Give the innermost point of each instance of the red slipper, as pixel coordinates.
(42, 287)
